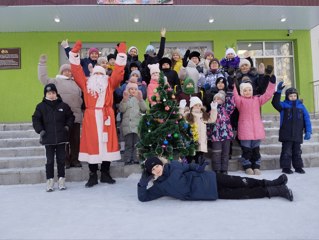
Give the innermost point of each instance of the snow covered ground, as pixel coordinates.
(113, 212)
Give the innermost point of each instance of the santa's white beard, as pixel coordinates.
(97, 84)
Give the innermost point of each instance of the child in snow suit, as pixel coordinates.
(131, 107)
(294, 121)
(191, 182)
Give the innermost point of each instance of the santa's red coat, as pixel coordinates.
(99, 137)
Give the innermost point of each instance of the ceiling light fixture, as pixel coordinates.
(57, 19)
(211, 20)
(136, 20)
(283, 19)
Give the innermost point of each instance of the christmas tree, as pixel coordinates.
(163, 131)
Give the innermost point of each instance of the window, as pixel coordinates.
(279, 54)
(201, 47)
(104, 49)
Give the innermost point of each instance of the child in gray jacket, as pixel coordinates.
(131, 107)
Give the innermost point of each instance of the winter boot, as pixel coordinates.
(61, 183)
(287, 171)
(300, 170)
(280, 191)
(281, 180)
(249, 171)
(257, 171)
(106, 178)
(92, 180)
(50, 185)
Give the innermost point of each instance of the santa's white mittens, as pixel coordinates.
(74, 58)
(121, 59)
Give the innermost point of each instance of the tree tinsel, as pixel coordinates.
(163, 131)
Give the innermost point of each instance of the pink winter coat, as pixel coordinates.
(250, 125)
(150, 90)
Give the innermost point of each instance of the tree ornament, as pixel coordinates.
(155, 90)
(173, 96)
(167, 108)
(165, 142)
(164, 100)
(176, 135)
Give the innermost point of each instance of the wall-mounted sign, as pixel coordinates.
(115, 2)
(10, 58)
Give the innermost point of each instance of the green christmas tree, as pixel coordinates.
(163, 131)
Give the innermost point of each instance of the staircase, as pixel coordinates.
(22, 158)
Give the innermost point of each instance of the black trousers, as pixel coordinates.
(73, 148)
(236, 187)
(51, 151)
(291, 153)
(105, 167)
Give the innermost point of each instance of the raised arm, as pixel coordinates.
(43, 71)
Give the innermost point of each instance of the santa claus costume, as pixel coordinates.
(99, 143)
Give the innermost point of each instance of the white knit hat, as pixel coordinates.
(242, 86)
(133, 47)
(98, 69)
(195, 100)
(154, 68)
(230, 50)
(244, 61)
(221, 95)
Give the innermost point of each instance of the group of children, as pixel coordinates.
(218, 96)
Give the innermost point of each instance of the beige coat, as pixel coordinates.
(67, 88)
(201, 126)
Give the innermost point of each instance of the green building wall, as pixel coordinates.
(20, 90)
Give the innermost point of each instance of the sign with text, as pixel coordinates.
(10, 58)
(116, 2)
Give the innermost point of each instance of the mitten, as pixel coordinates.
(43, 58)
(145, 178)
(182, 103)
(269, 69)
(139, 95)
(201, 167)
(213, 105)
(280, 87)
(163, 32)
(125, 96)
(206, 86)
(307, 136)
(231, 71)
(261, 68)
(121, 57)
(65, 43)
(121, 48)
(66, 128)
(90, 67)
(185, 58)
(42, 133)
(272, 79)
(77, 47)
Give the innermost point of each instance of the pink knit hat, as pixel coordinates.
(91, 50)
(131, 85)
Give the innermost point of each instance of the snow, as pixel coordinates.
(113, 212)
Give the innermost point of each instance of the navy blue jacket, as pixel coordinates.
(181, 181)
(52, 117)
(294, 119)
(84, 62)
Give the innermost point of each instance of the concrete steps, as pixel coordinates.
(22, 158)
